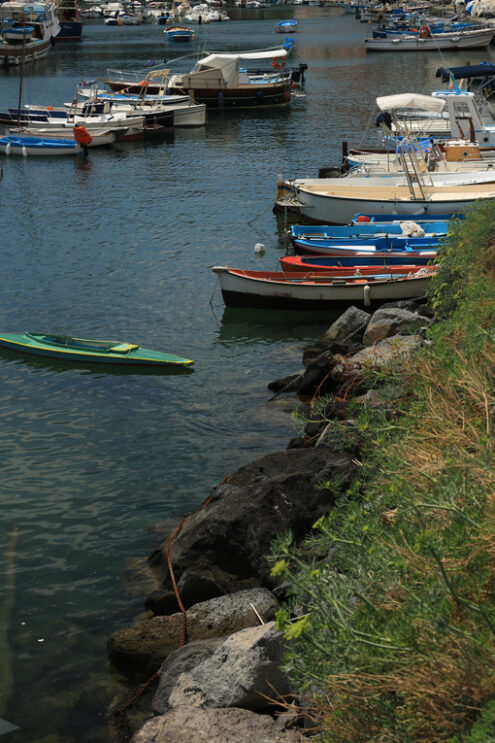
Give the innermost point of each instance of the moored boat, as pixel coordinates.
(70, 348)
(30, 45)
(415, 43)
(179, 33)
(219, 80)
(38, 146)
(283, 27)
(329, 263)
(285, 291)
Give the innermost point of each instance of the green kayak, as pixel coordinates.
(83, 349)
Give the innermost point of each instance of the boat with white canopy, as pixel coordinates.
(223, 81)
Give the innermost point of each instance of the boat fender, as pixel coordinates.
(82, 136)
(366, 295)
(8, 147)
(287, 95)
(278, 63)
(259, 249)
(24, 151)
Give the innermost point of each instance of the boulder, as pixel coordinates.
(180, 661)
(386, 322)
(244, 671)
(382, 353)
(234, 530)
(193, 725)
(144, 645)
(317, 374)
(286, 384)
(348, 328)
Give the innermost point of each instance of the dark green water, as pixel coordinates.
(119, 245)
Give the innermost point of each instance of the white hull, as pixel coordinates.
(240, 290)
(340, 206)
(461, 40)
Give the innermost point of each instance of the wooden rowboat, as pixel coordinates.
(313, 291)
(87, 350)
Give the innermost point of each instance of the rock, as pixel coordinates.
(287, 384)
(316, 373)
(139, 577)
(386, 322)
(180, 661)
(244, 671)
(350, 326)
(144, 645)
(255, 504)
(193, 725)
(382, 353)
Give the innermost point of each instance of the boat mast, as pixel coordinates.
(21, 76)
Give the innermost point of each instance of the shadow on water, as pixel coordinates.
(253, 325)
(45, 364)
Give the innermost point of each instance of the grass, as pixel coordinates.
(391, 619)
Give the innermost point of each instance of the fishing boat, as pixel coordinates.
(219, 80)
(286, 291)
(69, 348)
(16, 47)
(384, 245)
(179, 33)
(284, 27)
(470, 39)
(38, 146)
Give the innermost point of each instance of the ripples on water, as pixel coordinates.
(119, 244)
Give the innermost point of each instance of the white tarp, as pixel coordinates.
(221, 60)
(410, 100)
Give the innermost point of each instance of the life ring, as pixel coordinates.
(278, 63)
(424, 32)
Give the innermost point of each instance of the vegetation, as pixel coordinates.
(391, 617)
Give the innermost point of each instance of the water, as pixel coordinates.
(119, 244)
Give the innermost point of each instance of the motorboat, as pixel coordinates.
(179, 33)
(221, 80)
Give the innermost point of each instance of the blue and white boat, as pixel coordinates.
(179, 33)
(24, 146)
(284, 27)
(366, 230)
(18, 33)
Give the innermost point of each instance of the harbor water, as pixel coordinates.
(119, 244)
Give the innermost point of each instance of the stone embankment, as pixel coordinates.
(210, 634)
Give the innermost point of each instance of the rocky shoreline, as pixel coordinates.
(209, 635)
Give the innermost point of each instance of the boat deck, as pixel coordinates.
(382, 193)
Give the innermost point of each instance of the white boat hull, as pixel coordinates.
(461, 40)
(340, 208)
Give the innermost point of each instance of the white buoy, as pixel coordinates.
(8, 147)
(24, 151)
(259, 249)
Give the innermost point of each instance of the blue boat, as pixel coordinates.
(283, 27)
(364, 231)
(360, 218)
(20, 145)
(179, 33)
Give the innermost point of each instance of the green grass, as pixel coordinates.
(391, 619)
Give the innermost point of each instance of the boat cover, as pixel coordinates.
(468, 71)
(223, 60)
(410, 100)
